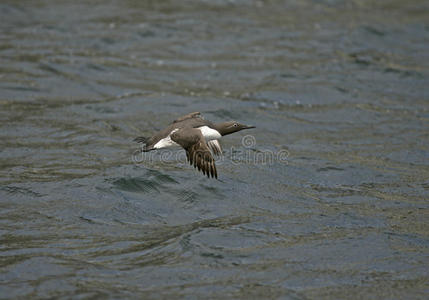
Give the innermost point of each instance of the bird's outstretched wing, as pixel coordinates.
(197, 150)
(214, 145)
(191, 115)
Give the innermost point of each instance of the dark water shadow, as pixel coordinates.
(152, 181)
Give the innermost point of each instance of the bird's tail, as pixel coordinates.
(141, 139)
(144, 140)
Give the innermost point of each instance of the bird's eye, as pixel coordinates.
(235, 125)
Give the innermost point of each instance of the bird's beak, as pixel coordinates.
(248, 126)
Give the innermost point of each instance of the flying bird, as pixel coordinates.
(199, 138)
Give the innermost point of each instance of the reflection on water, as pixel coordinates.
(340, 86)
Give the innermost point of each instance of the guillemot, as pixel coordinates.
(197, 136)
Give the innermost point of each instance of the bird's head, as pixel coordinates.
(231, 127)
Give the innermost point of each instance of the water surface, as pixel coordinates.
(340, 86)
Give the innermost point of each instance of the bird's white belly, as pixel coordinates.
(166, 142)
(209, 133)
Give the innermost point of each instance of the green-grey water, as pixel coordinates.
(341, 87)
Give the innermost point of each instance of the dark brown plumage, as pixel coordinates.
(197, 150)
